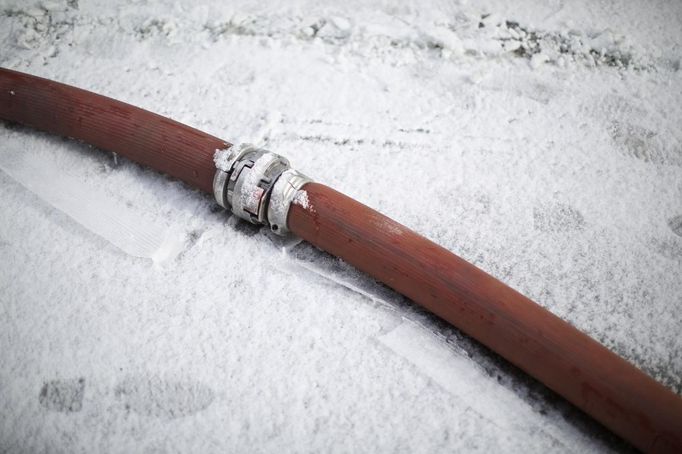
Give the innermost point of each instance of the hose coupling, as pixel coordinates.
(257, 185)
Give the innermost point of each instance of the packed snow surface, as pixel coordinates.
(539, 140)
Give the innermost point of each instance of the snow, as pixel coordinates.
(222, 159)
(477, 392)
(301, 198)
(542, 146)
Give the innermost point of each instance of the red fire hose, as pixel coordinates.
(607, 387)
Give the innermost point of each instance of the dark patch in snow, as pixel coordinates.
(636, 141)
(219, 29)
(247, 228)
(676, 225)
(636, 132)
(154, 396)
(64, 396)
(316, 27)
(415, 130)
(668, 248)
(529, 45)
(530, 42)
(613, 107)
(154, 27)
(13, 126)
(334, 140)
(193, 236)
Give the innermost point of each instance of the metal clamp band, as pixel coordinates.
(283, 194)
(257, 185)
(225, 161)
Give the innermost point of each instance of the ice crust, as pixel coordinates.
(134, 233)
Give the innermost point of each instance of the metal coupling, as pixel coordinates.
(257, 185)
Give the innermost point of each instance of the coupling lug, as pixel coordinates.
(256, 185)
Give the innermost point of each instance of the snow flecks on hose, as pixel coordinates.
(221, 159)
(301, 199)
(387, 225)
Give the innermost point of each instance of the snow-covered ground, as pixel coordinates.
(539, 140)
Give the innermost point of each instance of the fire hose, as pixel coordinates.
(262, 188)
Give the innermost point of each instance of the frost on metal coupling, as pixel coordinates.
(257, 185)
(287, 190)
(222, 158)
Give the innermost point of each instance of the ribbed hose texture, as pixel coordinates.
(149, 139)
